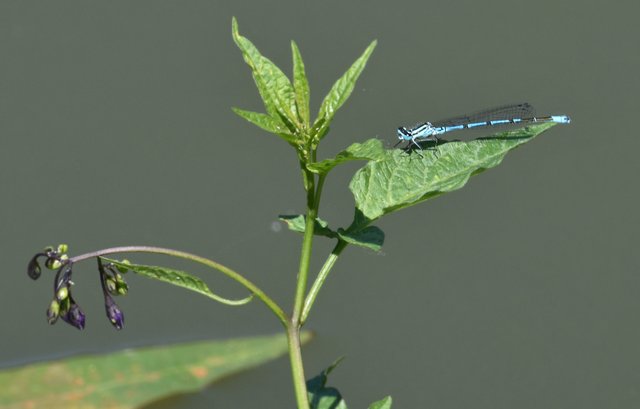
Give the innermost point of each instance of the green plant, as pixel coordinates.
(391, 179)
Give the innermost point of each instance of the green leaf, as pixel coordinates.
(340, 92)
(402, 179)
(371, 149)
(133, 377)
(382, 404)
(300, 85)
(321, 396)
(266, 122)
(177, 278)
(297, 222)
(274, 87)
(371, 237)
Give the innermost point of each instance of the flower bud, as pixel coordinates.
(53, 312)
(114, 314)
(62, 248)
(33, 269)
(53, 264)
(75, 316)
(62, 293)
(122, 269)
(111, 285)
(121, 285)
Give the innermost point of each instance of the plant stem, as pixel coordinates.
(320, 279)
(307, 244)
(272, 305)
(297, 367)
(293, 330)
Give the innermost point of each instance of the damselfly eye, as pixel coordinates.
(402, 132)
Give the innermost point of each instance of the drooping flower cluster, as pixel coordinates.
(112, 284)
(63, 304)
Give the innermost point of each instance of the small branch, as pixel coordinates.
(320, 279)
(272, 305)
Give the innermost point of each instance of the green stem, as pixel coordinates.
(293, 330)
(320, 279)
(272, 305)
(307, 244)
(297, 367)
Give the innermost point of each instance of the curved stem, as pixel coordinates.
(320, 279)
(272, 305)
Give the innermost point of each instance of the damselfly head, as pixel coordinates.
(403, 134)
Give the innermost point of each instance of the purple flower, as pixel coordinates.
(113, 312)
(74, 315)
(111, 280)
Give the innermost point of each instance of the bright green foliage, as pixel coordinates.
(371, 149)
(382, 404)
(267, 123)
(133, 377)
(287, 104)
(274, 87)
(300, 84)
(339, 93)
(176, 277)
(402, 179)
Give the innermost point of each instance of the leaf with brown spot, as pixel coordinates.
(133, 377)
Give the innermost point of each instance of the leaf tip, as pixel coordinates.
(234, 29)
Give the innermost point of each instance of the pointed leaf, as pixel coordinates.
(130, 378)
(382, 404)
(274, 87)
(402, 179)
(340, 92)
(371, 149)
(321, 396)
(371, 237)
(300, 85)
(297, 222)
(177, 278)
(266, 122)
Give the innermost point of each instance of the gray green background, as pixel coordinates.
(519, 291)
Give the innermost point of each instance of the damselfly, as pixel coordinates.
(504, 115)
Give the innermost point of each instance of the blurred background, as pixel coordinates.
(520, 290)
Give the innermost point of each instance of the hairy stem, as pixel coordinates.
(272, 305)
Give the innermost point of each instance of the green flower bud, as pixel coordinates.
(62, 293)
(111, 285)
(53, 264)
(63, 248)
(53, 312)
(121, 269)
(122, 288)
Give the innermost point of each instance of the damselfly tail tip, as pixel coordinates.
(561, 119)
